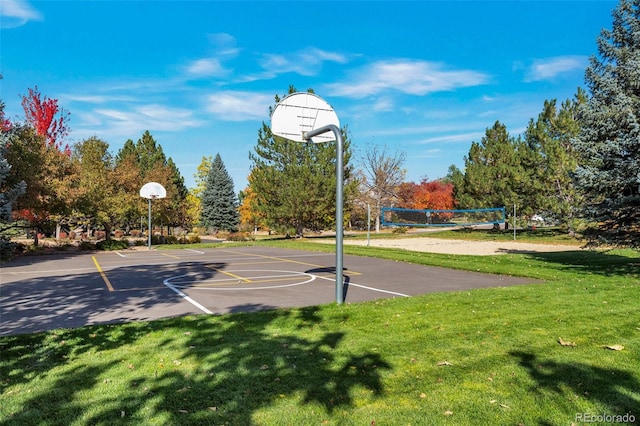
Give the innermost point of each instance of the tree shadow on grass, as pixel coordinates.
(589, 261)
(616, 389)
(229, 369)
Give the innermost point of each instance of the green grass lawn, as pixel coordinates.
(481, 357)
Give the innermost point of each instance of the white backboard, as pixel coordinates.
(302, 112)
(153, 190)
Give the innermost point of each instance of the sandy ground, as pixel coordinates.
(477, 248)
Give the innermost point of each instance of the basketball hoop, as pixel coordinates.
(304, 117)
(152, 191)
(300, 113)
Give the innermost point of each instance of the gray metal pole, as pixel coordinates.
(149, 230)
(339, 203)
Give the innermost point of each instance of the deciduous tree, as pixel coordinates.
(47, 173)
(427, 195)
(95, 199)
(381, 175)
(47, 118)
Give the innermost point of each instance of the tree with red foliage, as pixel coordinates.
(427, 195)
(41, 112)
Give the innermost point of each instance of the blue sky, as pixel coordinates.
(425, 78)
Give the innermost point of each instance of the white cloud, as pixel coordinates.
(383, 104)
(547, 69)
(239, 106)
(412, 77)
(15, 13)
(207, 67)
(454, 138)
(304, 62)
(127, 122)
(224, 45)
(224, 48)
(94, 99)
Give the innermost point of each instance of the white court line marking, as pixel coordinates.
(120, 254)
(195, 251)
(369, 288)
(184, 284)
(261, 278)
(187, 298)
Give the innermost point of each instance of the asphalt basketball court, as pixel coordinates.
(46, 292)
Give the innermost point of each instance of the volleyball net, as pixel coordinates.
(393, 216)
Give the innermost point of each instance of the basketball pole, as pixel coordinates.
(339, 202)
(149, 230)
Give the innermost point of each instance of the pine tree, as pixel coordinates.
(553, 160)
(219, 201)
(494, 175)
(295, 183)
(608, 144)
(8, 193)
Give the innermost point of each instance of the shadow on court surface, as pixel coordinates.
(73, 291)
(69, 300)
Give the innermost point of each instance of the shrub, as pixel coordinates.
(222, 235)
(109, 245)
(86, 245)
(193, 238)
(171, 239)
(8, 248)
(399, 230)
(241, 236)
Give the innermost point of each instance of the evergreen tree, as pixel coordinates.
(295, 183)
(128, 151)
(142, 162)
(494, 175)
(8, 193)
(553, 160)
(219, 201)
(608, 144)
(150, 154)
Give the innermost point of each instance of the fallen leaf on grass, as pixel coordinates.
(442, 363)
(615, 347)
(423, 395)
(448, 413)
(565, 343)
